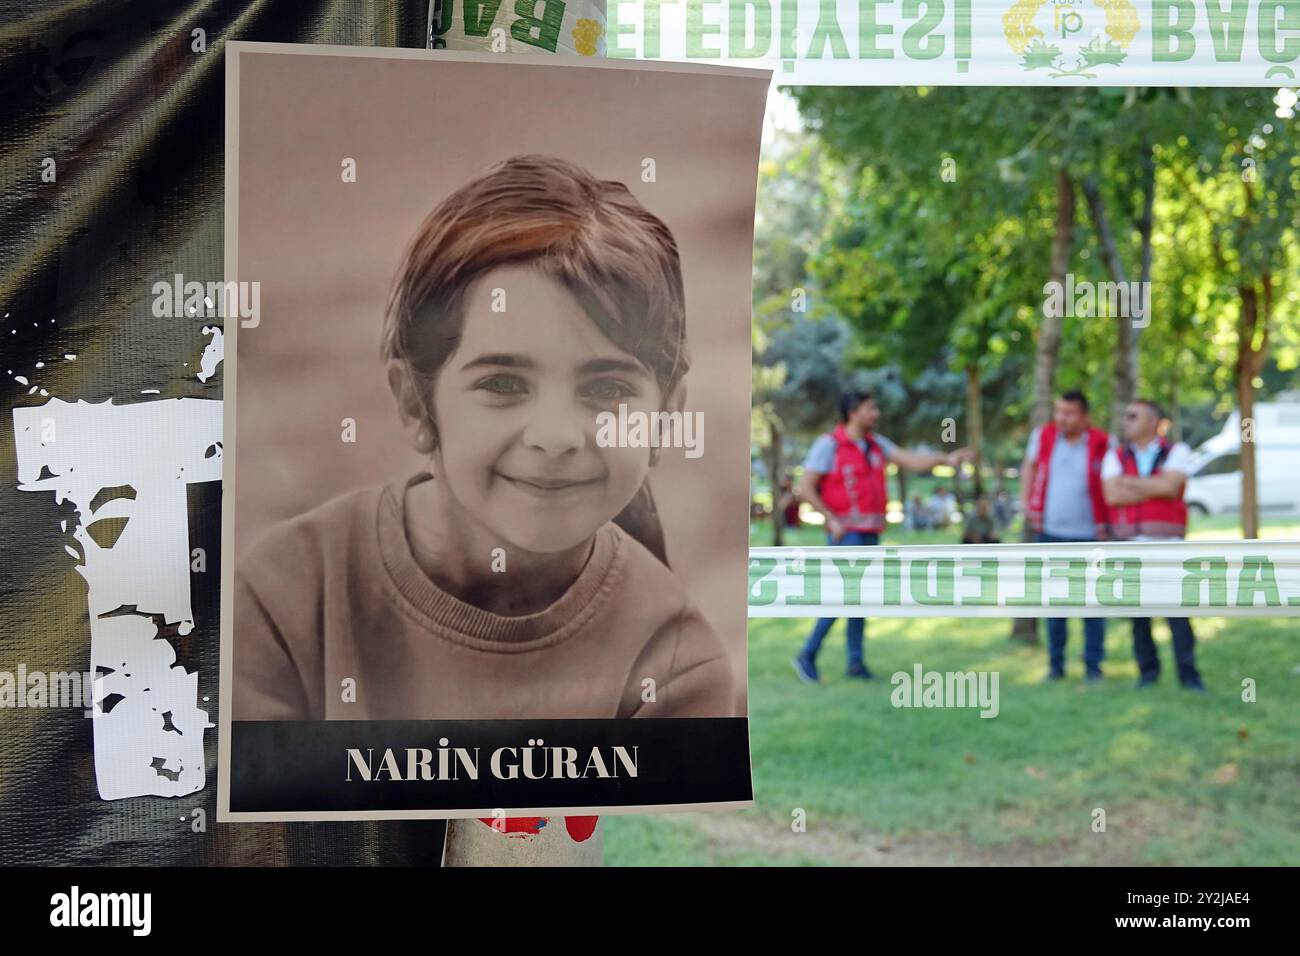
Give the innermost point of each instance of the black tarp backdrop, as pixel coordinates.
(132, 115)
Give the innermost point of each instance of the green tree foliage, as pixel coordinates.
(941, 207)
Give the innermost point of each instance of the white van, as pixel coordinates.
(1214, 476)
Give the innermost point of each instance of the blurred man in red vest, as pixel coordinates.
(1060, 487)
(844, 479)
(1144, 480)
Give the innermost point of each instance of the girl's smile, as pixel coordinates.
(553, 489)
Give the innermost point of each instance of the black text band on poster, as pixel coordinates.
(344, 765)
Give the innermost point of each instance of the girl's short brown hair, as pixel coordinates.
(618, 260)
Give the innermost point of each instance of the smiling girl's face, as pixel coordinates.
(516, 406)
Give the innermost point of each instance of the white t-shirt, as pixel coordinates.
(1179, 459)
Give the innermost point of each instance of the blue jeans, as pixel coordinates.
(1144, 649)
(856, 626)
(1094, 630)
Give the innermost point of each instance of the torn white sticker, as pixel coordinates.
(125, 468)
(212, 354)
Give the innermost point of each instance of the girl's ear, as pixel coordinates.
(403, 389)
(410, 407)
(674, 401)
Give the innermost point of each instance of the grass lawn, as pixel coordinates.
(1182, 778)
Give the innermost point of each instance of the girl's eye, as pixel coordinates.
(502, 384)
(607, 390)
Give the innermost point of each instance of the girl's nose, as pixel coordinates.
(555, 428)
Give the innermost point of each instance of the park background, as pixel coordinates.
(903, 241)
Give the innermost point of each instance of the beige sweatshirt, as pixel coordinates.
(336, 593)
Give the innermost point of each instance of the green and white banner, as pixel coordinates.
(973, 42)
(1103, 579)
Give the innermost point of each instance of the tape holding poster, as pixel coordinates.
(486, 552)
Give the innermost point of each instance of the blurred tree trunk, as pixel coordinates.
(1252, 348)
(1127, 331)
(1255, 293)
(902, 488)
(1249, 485)
(1049, 344)
(776, 470)
(975, 426)
(1049, 333)
(1175, 432)
(1124, 389)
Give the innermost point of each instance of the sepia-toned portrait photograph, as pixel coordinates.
(487, 435)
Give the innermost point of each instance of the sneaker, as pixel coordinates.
(1053, 676)
(1145, 682)
(859, 673)
(805, 668)
(1194, 685)
(1094, 677)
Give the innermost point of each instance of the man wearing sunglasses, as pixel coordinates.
(1143, 481)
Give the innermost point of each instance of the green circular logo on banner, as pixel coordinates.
(1070, 37)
